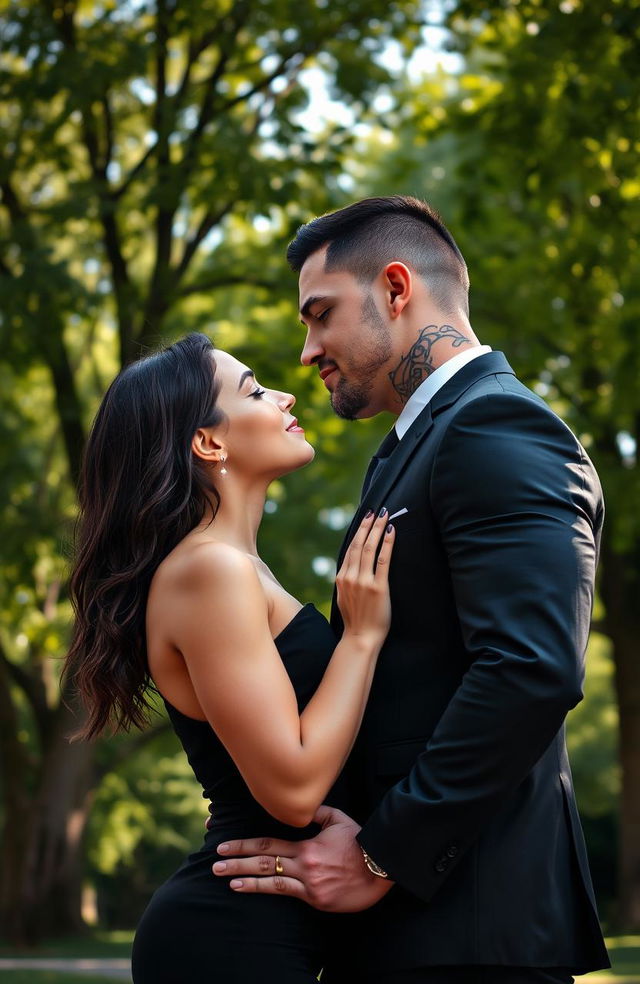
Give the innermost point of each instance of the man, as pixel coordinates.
(460, 857)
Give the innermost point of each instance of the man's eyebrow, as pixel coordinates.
(310, 301)
(245, 375)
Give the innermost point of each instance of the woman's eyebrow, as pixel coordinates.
(245, 375)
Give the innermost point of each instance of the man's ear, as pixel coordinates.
(398, 286)
(206, 446)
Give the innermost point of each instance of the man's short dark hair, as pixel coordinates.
(363, 237)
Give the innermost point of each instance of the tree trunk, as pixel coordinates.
(620, 573)
(15, 771)
(46, 896)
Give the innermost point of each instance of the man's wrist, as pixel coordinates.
(374, 868)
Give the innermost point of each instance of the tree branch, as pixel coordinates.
(63, 13)
(10, 199)
(108, 130)
(67, 399)
(214, 282)
(236, 19)
(157, 301)
(264, 82)
(210, 220)
(117, 193)
(98, 163)
(195, 50)
(32, 688)
(52, 345)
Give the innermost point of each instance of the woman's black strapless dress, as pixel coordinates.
(196, 928)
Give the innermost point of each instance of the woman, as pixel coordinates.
(168, 587)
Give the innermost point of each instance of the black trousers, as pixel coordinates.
(455, 975)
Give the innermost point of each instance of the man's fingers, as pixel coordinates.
(263, 865)
(326, 815)
(278, 885)
(252, 846)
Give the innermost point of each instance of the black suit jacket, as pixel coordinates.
(460, 774)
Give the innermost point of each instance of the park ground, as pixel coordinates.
(110, 950)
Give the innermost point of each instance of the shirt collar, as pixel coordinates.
(430, 386)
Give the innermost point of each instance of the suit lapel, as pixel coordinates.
(387, 475)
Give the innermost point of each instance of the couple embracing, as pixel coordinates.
(391, 799)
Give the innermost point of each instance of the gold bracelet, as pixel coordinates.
(374, 868)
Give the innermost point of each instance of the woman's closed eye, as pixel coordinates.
(257, 393)
(324, 315)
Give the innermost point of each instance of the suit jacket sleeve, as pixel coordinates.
(518, 507)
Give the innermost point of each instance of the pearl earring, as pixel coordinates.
(223, 458)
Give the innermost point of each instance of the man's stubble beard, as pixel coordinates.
(349, 398)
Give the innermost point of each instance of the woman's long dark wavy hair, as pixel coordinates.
(141, 491)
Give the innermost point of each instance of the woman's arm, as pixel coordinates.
(288, 760)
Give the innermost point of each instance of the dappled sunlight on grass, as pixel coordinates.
(52, 977)
(624, 952)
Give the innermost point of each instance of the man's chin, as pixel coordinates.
(351, 406)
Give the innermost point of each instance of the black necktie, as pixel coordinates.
(390, 442)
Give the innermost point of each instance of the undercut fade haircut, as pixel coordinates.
(362, 238)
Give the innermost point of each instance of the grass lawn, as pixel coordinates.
(107, 945)
(52, 977)
(625, 958)
(115, 944)
(624, 951)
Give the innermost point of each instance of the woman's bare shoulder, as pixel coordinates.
(198, 565)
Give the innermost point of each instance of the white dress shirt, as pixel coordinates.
(430, 386)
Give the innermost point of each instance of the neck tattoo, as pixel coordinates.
(417, 364)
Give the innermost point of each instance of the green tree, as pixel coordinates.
(140, 144)
(531, 154)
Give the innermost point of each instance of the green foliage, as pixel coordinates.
(532, 156)
(154, 162)
(530, 151)
(593, 738)
(148, 814)
(592, 734)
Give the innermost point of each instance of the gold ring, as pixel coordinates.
(279, 868)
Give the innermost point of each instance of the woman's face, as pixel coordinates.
(260, 436)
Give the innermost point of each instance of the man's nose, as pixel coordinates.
(311, 351)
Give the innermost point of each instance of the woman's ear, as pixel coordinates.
(205, 445)
(398, 286)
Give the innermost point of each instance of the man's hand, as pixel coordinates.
(327, 871)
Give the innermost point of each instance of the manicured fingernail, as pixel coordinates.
(390, 528)
(235, 883)
(220, 866)
(223, 848)
(368, 513)
(382, 511)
